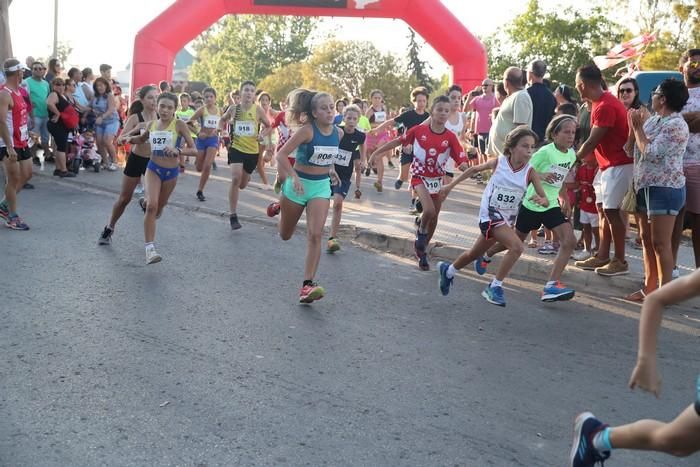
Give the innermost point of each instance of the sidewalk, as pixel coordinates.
(378, 220)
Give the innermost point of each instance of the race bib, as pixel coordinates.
(324, 155)
(344, 157)
(504, 199)
(433, 185)
(212, 121)
(245, 128)
(379, 117)
(560, 174)
(160, 140)
(24, 132)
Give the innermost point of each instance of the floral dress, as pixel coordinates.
(661, 163)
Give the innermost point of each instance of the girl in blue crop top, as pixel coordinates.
(306, 185)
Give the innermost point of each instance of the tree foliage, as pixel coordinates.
(417, 67)
(283, 80)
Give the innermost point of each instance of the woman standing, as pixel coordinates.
(660, 143)
(57, 102)
(54, 70)
(628, 93)
(104, 106)
(209, 118)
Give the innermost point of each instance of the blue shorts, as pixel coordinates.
(210, 142)
(315, 186)
(107, 128)
(663, 201)
(343, 188)
(164, 173)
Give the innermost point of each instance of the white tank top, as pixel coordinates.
(504, 192)
(457, 130)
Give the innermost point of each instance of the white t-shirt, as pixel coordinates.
(515, 110)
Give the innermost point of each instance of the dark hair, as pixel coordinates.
(590, 73)
(169, 96)
(555, 125)
(567, 93)
(439, 100)
(57, 81)
(86, 73)
(514, 137)
(420, 91)
(137, 105)
(105, 67)
(675, 92)
(52, 65)
(357, 101)
(164, 86)
(636, 103)
(264, 94)
(454, 87)
(686, 56)
(303, 102)
(501, 89)
(209, 90)
(340, 101)
(247, 83)
(73, 71)
(108, 87)
(567, 108)
(538, 68)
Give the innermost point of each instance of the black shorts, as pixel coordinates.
(406, 158)
(488, 227)
(249, 161)
(135, 165)
(23, 154)
(532, 220)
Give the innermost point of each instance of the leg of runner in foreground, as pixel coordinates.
(594, 441)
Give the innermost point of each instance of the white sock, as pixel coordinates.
(496, 283)
(150, 245)
(451, 271)
(550, 283)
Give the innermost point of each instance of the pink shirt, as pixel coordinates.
(483, 106)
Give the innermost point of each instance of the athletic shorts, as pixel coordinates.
(23, 154)
(532, 220)
(597, 188)
(483, 139)
(487, 228)
(589, 218)
(314, 188)
(417, 181)
(406, 158)
(164, 173)
(614, 183)
(135, 165)
(343, 188)
(660, 201)
(249, 161)
(210, 142)
(692, 188)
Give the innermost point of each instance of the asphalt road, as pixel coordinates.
(207, 359)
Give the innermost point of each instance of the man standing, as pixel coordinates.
(39, 90)
(544, 104)
(28, 70)
(516, 110)
(608, 136)
(482, 103)
(106, 73)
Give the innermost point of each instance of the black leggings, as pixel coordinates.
(60, 135)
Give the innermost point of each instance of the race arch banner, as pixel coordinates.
(157, 44)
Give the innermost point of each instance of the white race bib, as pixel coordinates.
(504, 199)
(324, 155)
(160, 140)
(24, 132)
(344, 157)
(433, 185)
(560, 174)
(379, 117)
(245, 128)
(212, 121)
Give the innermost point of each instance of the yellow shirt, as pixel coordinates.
(245, 130)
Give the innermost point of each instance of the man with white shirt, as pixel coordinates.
(516, 110)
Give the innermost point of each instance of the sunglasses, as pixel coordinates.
(625, 90)
(38, 68)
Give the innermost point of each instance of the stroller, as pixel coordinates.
(83, 152)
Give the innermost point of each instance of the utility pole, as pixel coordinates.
(55, 29)
(5, 39)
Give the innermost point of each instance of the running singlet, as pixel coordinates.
(504, 192)
(245, 130)
(378, 116)
(17, 120)
(283, 131)
(457, 130)
(161, 139)
(184, 114)
(210, 121)
(348, 153)
(321, 151)
(431, 151)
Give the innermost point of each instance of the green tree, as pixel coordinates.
(245, 47)
(283, 80)
(417, 67)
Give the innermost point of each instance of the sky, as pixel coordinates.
(108, 38)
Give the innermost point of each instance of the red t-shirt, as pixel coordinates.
(609, 112)
(431, 150)
(585, 176)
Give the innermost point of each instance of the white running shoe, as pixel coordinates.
(676, 273)
(139, 190)
(152, 256)
(582, 255)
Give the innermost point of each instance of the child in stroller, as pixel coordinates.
(83, 152)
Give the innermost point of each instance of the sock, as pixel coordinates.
(307, 282)
(496, 283)
(551, 284)
(601, 440)
(150, 245)
(451, 271)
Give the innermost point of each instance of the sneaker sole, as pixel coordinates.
(154, 260)
(313, 296)
(103, 242)
(488, 299)
(558, 297)
(578, 426)
(611, 274)
(589, 268)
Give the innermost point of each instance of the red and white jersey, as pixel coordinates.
(283, 131)
(17, 120)
(432, 150)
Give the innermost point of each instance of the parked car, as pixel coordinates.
(649, 80)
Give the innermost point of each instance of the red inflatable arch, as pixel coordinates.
(159, 41)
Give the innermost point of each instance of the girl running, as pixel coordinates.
(141, 111)
(244, 152)
(457, 124)
(499, 207)
(209, 118)
(377, 115)
(265, 101)
(352, 155)
(307, 185)
(167, 161)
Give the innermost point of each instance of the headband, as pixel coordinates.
(14, 68)
(563, 119)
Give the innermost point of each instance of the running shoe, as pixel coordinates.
(556, 293)
(273, 209)
(200, 196)
(142, 203)
(582, 255)
(423, 263)
(138, 191)
(56, 172)
(444, 282)
(591, 264)
(278, 186)
(378, 186)
(676, 273)
(235, 225)
(367, 171)
(152, 256)
(583, 453)
(613, 268)
(333, 245)
(311, 293)
(106, 237)
(547, 249)
(112, 167)
(4, 213)
(66, 174)
(494, 295)
(480, 265)
(398, 184)
(419, 246)
(16, 223)
(390, 164)
(27, 186)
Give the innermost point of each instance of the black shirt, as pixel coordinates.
(350, 142)
(543, 106)
(411, 118)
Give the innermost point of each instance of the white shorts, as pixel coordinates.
(596, 188)
(614, 183)
(589, 218)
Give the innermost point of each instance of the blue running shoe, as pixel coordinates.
(480, 265)
(494, 295)
(4, 213)
(444, 281)
(583, 453)
(557, 292)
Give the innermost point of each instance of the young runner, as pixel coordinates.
(352, 155)
(167, 161)
(243, 153)
(184, 113)
(504, 192)
(209, 119)
(14, 142)
(142, 110)
(266, 148)
(307, 185)
(594, 441)
(431, 146)
(457, 124)
(553, 163)
(377, 115)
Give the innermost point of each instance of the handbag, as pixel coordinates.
(629, 202)
(70, 117)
